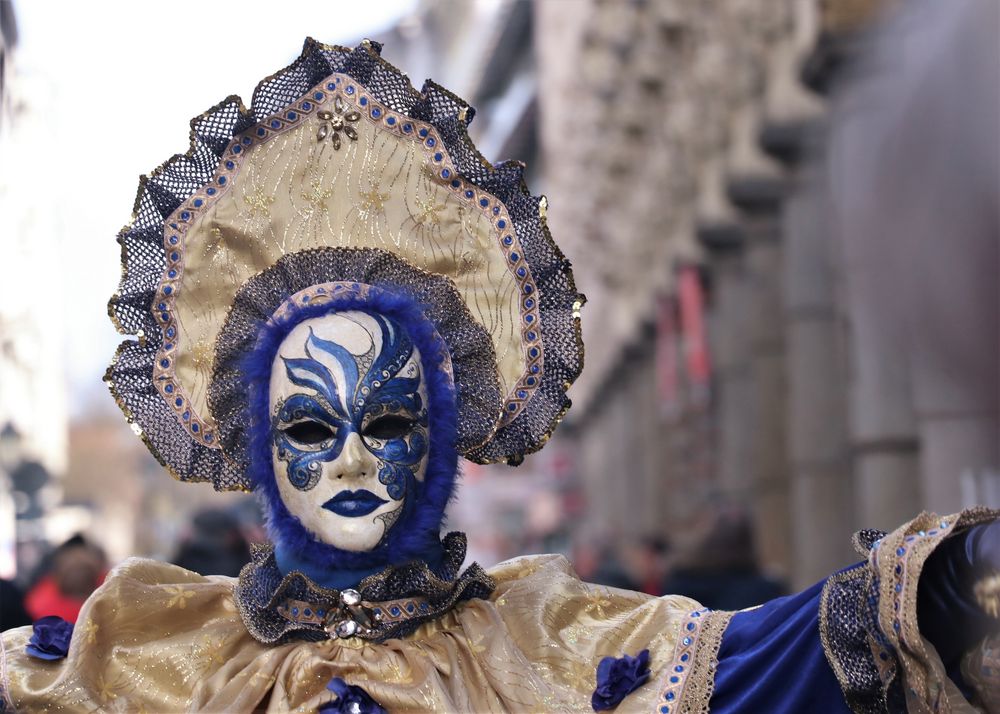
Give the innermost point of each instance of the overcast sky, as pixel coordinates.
(107, 90)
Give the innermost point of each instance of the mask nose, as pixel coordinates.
(355, 460)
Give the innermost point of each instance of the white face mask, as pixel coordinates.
(348, 409)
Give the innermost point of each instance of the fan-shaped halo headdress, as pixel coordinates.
(339, 173)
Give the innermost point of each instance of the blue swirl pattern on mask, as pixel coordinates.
(376, 393)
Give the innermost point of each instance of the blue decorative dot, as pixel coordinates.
(169, 389)
(331, 85)
(685, 657)
(306, 106)
(687, 640)
(186, 415)
(222, 180)
(899, 587)
(445, 173)
(307, 612)
(533, 352)
(407, 128)
(484, 202)
(394, 611)
(424, 607)
(162, 306)
(664, 709)
(275, 123)
(933, 532)
(185, 215)
(261, 131)
(198, 202)
(363, 101)
(164, 363)
(529, 318)
(422, 132)
(175, 256)
(172, 240)
(430, 142)
(670, 696)
(195, 428)
(496, 210)
(534, 369)
(350, 90)
(900, 550)
(209, 437)
(514, 257)
(501, 224)
(512, 407)
(895, 625)
(174, 226)
(321, 612)
(230, 165)
(469, 194)
(521, 272)
(944, 524)
(318, 96)
(528, 289)
(410, 607)
(674, 679)
(171, 273)
(391, 121)
(679, 669)
(306, 298)
(507, 240)
(521, 394)
(530, 381)
(377, 611)
(164, 317)
(168, 346)
(179, 402)
(690, 626)
(292, 116)
(237, 149)
(247, 140)
(376, 113)
(438, 156)
(210, 191)
(167, 289)
(295, 611)
(529, 303)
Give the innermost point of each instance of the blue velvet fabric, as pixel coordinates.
(771, 660)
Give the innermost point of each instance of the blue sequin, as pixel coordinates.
(501, 224)
(169, 389)
(185, 215)
(407, 128)
(195, 428)
(330, 85)
(261, 131)
(422, 132)
(173, 240)
(678, 668)
(171, 273)
(469, 194)
(507, 240)
(237, 149)
(445, 173)
(222, 180)
(900, 550)
(292, 116)
(186, 415)
(674, 679)
(690, 626)
(164, 363)
(275, 123)
(391, 121)
(198, 202)
(430, 142)
(230, 165)
(349, 90)
(438, 156)
(514, 257)
(670, 696)
(376, 113)
(394, 611)
(179, 402)
(521, 272)
(210, 191)
(484, 202)
(363, 101)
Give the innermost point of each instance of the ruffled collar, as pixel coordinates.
(390, 603)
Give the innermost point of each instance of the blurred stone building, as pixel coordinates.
(747, 342)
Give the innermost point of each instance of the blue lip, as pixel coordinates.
(353, 504)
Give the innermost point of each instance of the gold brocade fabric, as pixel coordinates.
(158, 638)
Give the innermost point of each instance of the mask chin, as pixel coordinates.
(415, 532)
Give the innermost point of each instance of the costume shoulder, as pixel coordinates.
(157, 637)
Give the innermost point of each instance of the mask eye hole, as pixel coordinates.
(309, 432)
(392, 426)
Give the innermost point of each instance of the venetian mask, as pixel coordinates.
(349, 426)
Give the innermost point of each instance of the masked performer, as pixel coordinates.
(335, 296)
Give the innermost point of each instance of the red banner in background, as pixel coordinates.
(691, 299)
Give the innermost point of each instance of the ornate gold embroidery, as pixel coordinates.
(372, 202)
(179, 596)
(688, 682)
(258, 202)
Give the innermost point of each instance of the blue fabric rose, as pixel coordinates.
(50, 638)
(617, 677)
(350, 700)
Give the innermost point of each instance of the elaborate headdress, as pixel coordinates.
(339, 180)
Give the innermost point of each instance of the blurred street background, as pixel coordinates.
(784, 214)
